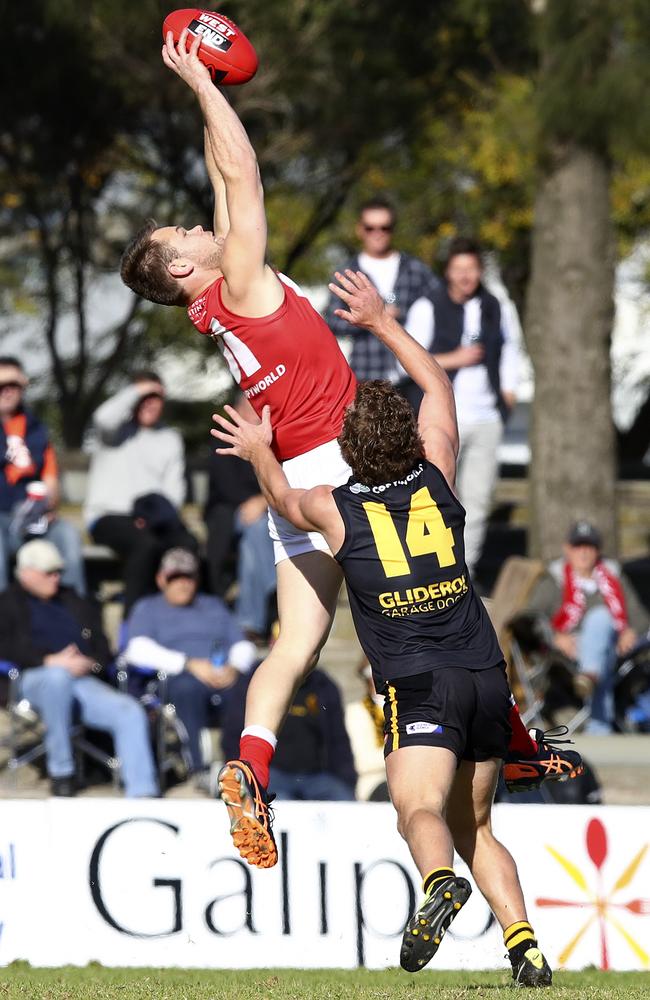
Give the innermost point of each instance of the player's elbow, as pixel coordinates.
(242, 167)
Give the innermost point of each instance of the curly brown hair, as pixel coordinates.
(380, 440)
(144, 268)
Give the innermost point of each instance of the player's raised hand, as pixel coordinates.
(185, 62)
(365, 306)
(242, 436)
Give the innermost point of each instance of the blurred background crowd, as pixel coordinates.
(488, 167)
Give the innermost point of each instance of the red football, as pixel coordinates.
(224, 48)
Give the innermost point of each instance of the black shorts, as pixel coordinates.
(466, 711)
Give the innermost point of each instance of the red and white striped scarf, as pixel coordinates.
(574, 601)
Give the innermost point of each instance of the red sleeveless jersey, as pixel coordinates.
(289, 360)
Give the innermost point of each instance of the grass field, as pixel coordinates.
(97, 983)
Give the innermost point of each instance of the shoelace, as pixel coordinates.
(551, 737)
(270, 813)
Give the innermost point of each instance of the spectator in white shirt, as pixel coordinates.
(472, 336)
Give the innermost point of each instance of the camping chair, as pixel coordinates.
(512, 589)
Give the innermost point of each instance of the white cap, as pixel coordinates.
(39, 554)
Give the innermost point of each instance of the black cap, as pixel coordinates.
(584, 533)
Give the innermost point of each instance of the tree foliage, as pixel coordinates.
(453, 108)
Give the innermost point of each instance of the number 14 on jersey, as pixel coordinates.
(426, 534)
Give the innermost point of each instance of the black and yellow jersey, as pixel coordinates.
(411, 598)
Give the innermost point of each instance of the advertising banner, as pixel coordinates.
(157, 883)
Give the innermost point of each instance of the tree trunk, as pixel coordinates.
(568, 330)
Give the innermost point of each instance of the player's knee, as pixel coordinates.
(410, 813)
(293, 656)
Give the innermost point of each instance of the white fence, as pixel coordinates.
(157, 884)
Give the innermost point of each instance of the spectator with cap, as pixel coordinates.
(404, 282)
(594, 616)
(29, 466)
(136, 483)
(195, 640)
(55, 637)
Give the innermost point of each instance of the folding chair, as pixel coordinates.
(25, 738)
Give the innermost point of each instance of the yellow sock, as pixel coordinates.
(436, 875)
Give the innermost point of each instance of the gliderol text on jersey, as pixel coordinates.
(418, 600)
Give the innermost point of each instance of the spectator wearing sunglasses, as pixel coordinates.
(405, 283)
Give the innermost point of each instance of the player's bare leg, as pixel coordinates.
(308, 586)
(493, 867)
(419, 781)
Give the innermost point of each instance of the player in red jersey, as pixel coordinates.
(282, 354)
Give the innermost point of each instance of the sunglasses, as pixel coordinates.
(377, 229)
(11, 385)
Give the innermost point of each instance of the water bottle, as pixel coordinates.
(30, 517)
(217, 659)
(218, 656)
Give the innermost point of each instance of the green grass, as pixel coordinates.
(97, 983)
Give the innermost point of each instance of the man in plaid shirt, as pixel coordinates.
(406, 285)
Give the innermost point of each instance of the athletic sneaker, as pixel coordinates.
(532, 970)
(550, 763)
(250, 817)
(426, 928)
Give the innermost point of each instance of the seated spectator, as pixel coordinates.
(136, 483)
(313, 759)
(28, 458)
(194, 639)
(236, 517)
(55, 637)
(594, 614)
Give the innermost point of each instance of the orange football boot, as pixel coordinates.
(550, 763)
(250, 817)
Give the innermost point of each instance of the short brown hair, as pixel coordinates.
(464, 245)
(380, 440)
(144, 268)
(379, 202)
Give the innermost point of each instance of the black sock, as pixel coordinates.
(437, 875)
(518, 938)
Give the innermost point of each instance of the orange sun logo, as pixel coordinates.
(601, 903)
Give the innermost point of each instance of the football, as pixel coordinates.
(224, 49)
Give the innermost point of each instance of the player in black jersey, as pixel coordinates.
(396, 528)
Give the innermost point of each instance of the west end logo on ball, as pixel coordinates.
(210, 36)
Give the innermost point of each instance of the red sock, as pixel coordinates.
(259, 754)
(520, 740)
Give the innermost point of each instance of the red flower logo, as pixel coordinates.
(600, 902)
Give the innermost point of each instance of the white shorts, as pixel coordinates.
(322, 466)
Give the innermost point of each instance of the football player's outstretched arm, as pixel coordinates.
(437, 416)
(307, 510)
(221, 220)
(249, 282)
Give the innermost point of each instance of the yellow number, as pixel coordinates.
(389, 547)
(426, 532)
